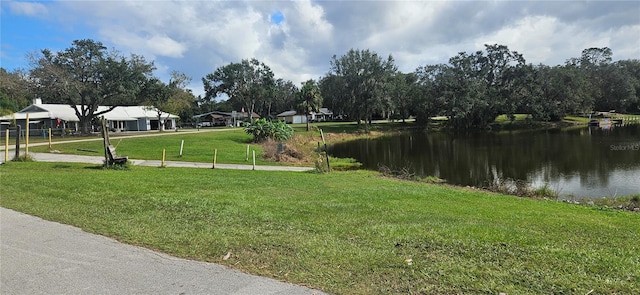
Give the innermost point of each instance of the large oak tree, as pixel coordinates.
(363, 75)
(86, 76)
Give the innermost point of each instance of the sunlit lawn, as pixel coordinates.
(345, 232)
(231, 147)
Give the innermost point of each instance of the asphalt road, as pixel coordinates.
(43, 257)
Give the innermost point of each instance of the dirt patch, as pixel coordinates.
(282, 152)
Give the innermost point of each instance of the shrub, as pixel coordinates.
(262, 129)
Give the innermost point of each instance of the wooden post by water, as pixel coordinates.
(326, 153)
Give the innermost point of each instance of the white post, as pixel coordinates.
(247, 159)
(254, 160)
(181, 146)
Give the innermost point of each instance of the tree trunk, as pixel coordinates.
(85, 125)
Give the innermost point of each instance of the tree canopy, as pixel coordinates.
(170, 98)
(86, 76)
(361, 75)
(310, 99)
(248, 84)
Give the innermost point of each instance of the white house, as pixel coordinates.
(121, 118)
(324, 114)
(291, 117)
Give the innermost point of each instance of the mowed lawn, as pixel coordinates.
(231, 146)
(344, 232)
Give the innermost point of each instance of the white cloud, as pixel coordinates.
(548, 40)
(27, 8)
(196, 37)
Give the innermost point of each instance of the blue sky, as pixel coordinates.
(297, 39)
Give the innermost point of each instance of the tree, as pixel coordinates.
(363, 75)
(477, 87)
(310, 99)
(86, 76)
(334, 95)
(14, 91)
(402, 92)
(169, 98)
(248, 84)
(593, 63)
(631, 68)
(285, 97)
(433, 87)
(563, 91)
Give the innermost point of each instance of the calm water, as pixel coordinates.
(585, 162)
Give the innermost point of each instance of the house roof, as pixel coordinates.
(67, 113)
(325, 111)
(287, 114)
(217, 114)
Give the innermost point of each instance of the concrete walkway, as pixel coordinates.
(68, 158)
(43, 257)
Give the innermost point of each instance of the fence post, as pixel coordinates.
(181, 146)
(254, 160)
(6, 145)
(215, 158)
(247, 159)
(26, 138)
(163, 157)
(17, 156)
(49, 138)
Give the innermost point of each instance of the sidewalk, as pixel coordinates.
(67, 158)
(43, 257)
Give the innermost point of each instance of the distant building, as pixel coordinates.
(324, 114)
(292, 117)
(62, 116)
(216, 118)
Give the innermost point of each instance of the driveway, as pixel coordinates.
(43, 257)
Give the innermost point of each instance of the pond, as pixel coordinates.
(584, 162)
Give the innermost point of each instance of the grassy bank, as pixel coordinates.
(344, 233)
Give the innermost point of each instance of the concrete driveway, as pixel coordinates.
(43, 257)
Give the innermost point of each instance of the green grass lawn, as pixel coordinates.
(198, 147)
(344, 232)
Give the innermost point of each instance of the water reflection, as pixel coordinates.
(587, 161)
